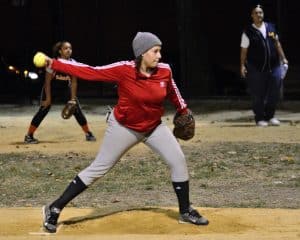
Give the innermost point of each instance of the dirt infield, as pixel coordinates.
(58, 136)
(153, 223)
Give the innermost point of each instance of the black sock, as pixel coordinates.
(75, 188)
(182, 192)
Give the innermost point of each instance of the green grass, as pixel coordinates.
(221, 174)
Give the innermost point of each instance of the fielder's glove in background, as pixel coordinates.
(184, 125)
(69, 109)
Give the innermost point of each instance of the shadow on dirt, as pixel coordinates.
(101, 213)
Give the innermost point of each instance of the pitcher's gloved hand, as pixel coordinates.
(69, 109)
(184, 125)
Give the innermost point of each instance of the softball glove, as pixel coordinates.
(184, 125)
(69, 109)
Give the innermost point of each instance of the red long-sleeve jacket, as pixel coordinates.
(140, 103)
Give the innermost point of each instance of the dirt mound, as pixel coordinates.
(153, 223)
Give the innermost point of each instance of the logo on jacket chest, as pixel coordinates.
(149, 91)
(162, 84)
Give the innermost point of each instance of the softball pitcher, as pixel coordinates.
(58, 81)
(143, 85)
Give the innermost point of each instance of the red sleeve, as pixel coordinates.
(107, 73)
(175, 96)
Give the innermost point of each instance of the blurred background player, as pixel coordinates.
(55, 83)
(261, 56)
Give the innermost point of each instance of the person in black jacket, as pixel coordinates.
(261, 57)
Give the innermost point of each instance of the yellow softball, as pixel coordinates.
(39, 59)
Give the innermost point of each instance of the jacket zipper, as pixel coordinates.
(269, 51)
(265, 47)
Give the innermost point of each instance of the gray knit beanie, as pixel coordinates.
(143, 41)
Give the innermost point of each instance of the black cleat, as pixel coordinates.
(193, 217)
(29, 139)
(50, 218)
(90, 137)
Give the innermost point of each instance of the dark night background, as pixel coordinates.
(201, 41)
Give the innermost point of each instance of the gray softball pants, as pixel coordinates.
(119, 139)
